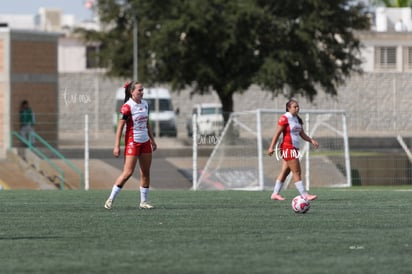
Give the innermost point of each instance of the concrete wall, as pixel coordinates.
(34, 77)
(28, 71)
(377, 104)
(4, 91)
(390, 169)
(87, 93)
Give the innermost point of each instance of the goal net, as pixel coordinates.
(239, 159)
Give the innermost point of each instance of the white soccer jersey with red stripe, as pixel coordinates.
(291, 132)
(136, 116)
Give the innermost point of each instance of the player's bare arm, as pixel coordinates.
(308, 139)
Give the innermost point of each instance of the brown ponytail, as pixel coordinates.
(128, 88)
(300, 120)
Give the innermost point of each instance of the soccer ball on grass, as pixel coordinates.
(300, 204)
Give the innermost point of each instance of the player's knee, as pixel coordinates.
(127, 175)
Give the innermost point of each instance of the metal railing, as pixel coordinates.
(33, 136)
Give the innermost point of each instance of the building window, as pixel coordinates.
(407, 61)
(385, 58)
(92, 57)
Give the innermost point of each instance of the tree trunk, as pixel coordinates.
(232, 132)
(227, 104)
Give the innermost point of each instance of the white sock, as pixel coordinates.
(301, 188)
(144, 192)
(278, 187)
(115, 191)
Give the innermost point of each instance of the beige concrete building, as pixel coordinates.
(28, 71)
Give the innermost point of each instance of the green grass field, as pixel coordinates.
(356, 230)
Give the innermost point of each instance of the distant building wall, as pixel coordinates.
(34, 77)
(72, 55)
(377, 104)
(88, 93)
(4, 90)
(29, 72)
(377, 55)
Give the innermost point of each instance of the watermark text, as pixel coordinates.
(76, 98)
(208, 140)
(288, 154)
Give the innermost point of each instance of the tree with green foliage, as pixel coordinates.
(225, 46)
(393, 3)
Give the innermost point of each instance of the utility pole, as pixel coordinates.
(135, 47)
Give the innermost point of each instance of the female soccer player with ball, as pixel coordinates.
(290, 125)
(139, 143)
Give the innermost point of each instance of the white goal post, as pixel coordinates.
(239, 159)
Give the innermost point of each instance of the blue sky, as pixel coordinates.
(75, 7)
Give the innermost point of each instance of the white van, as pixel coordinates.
(161, 113)
(209, 119)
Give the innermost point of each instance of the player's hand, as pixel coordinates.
(154, 146)
(270, 151)
(116, 151)
(315, 144)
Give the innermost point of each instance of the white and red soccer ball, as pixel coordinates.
(300, 204)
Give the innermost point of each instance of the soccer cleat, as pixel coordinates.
(276, 196)
(310, 197)
(145, 205)
(108, 204)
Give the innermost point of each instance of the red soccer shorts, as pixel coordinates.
(136, 149)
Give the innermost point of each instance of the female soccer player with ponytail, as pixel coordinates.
(290, 125)
(139, 143)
